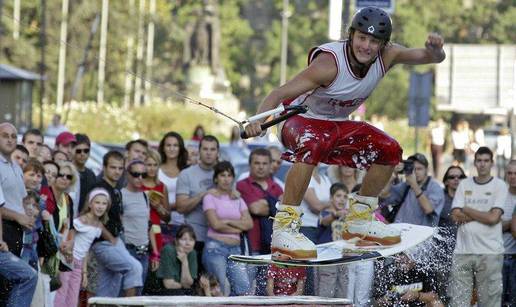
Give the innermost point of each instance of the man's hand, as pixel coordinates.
(434, 44)
(3, 246)
(253, 129)
(411, 180)
(25, 221)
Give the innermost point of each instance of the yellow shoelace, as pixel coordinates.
(355, 214)
(288, 218)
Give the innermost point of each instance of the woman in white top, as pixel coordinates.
(174, 158)
(86, 228)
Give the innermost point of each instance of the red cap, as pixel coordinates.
(65, 138)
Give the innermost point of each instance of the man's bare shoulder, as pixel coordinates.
(323, 69)
(390, 52)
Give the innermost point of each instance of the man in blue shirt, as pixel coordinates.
(421, 197)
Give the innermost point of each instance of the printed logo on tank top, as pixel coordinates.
(346, 103)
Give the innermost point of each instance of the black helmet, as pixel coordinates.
(374, 21)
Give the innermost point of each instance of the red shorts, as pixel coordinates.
(352, 143)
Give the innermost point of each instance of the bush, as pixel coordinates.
(115, 124)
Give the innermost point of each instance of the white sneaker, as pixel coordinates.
(287, 242)
(360, 223)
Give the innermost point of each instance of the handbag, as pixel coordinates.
(46, 245)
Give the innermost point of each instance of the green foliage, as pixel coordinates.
(250, 56)
(114, 124)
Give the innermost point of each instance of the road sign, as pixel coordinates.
(386, 5)
(419, 99)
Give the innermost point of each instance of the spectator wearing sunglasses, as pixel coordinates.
(452, 177)
(135, 218)
(80, 155)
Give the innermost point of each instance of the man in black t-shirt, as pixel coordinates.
(399, 281)
(80, 155)
(116, 268)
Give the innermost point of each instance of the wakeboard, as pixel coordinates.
(344, 252)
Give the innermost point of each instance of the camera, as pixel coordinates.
(408, 167)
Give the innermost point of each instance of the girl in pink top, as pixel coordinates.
(227, 218)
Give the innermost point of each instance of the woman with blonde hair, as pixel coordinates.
(158, 199)
(159, 214)
(348, 176)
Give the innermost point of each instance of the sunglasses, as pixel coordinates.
(80, 151)
(456, 177)
(136, 174)
(69, 177)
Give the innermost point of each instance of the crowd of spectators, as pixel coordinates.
(163, 221)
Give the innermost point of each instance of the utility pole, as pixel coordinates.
(347, 11)
(62, 55)
(284, 41)
(150, 50)
(102, 51)
(139, 55)
(42, 64)
(129, 61)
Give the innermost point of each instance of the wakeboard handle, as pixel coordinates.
(290, 111)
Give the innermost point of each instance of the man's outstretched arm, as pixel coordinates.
(432, 53)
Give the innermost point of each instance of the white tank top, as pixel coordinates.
(176, 218)
(346, 93)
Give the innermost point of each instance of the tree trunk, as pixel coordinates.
(62, 55)
(42, 64)
(139, 55)
(150, 51)
(16, 19)
(102, 51)
(129, 61)
(82, 64)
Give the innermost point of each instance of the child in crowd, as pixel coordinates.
(178, 263)
(285, 280)
(208, 286)
(30, 236)
(332, 280)
(86, 228)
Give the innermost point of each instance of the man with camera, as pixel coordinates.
(419, 200)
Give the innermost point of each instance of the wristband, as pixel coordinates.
(419, 195)
(154, 256)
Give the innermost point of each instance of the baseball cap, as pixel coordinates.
(419, 157)
(65, 138)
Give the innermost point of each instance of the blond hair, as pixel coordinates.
(72, 169)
